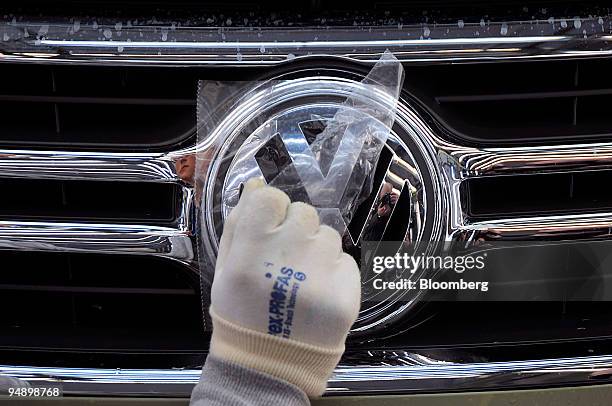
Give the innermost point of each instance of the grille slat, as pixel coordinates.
(530, 193)
(551, 227)
(532, 160)
(78, 301)
(96, 100)
(111, 107)
(49, 208)
(157, 167)
(132, 202)
(522, 96)
(543, 194)
(99, 238)
(515, 103)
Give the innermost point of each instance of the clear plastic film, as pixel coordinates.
(324, 156)
(335, 173)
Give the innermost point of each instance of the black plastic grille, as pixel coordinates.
(518, 102)
(559, 193)
(130, 202)
(74, 106)
(54, 300)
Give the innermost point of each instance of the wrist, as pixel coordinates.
(304, 365)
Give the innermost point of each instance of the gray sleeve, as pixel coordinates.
(227, 384)
(7, 382)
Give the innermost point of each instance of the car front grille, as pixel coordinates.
(97, 228)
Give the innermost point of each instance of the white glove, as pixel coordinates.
(284, 294)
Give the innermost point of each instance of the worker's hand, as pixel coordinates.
(284, 294)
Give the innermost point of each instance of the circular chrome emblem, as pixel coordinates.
(268, 131)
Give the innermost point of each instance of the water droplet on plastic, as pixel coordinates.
(118, 26)
(107, 33)
(563, 23)
(426, 32)
(577, 23)
(504, 29)
(460, 24)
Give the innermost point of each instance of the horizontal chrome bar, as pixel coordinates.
(172, 242)
(89, 42)
(532, 160)
(375, 379)
(156, 167)
(566, 227)
(100, 238)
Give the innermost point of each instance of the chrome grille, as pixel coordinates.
(495, 163)
(406, 365)
(108, 237)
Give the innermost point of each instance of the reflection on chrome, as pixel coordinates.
(172, 44)
(87, 165)
(100, 238)
(416, 373)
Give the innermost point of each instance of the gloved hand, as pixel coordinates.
(284, 295)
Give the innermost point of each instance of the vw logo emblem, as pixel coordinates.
(400, 206)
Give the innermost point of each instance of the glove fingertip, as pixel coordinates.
(253, 184)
